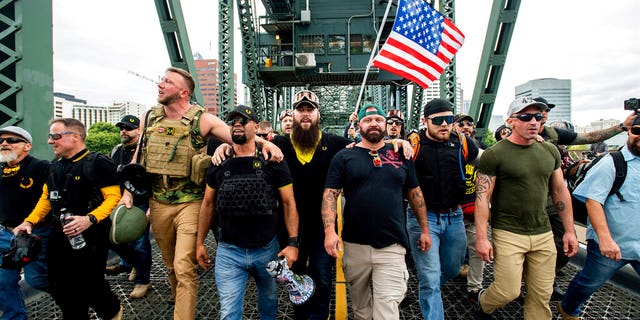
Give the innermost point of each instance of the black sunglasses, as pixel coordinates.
(262, 135)
(58, 136)
(634, 130)
(127, 128)
(441, 119)
(243, 121)
(12, 140)
(396, 122)
(526, 117)
(465, 123)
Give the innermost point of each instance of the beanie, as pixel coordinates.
(437, 105)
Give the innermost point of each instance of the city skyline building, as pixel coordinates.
(433, 92)
(207, 73)
(68, 106)
(556, 91)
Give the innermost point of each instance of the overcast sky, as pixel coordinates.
(592, 43)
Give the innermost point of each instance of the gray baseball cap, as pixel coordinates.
(17, 131)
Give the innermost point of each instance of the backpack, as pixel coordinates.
(414, 140)
(579, 208)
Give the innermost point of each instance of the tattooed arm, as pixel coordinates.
(562, 203)
(329, 210)
(419, 208)
(484, 190)
(604, 134)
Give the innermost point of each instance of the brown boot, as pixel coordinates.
(139, 291)
(118, 315)
(564, 314)
(132, 275)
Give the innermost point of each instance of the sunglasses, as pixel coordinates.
(12, 140)
(127, 128)
(243, 121)
(262, 135)
(465, 123)
(58, 136)
(634, 130)
(441, 119)
(396, 122)
(306, 95)
(526, 117)
(377, 162)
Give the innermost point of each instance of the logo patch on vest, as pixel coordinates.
(161, 129)
(171, 131)
(257, 164)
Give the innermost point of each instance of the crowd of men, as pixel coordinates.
(427, 196)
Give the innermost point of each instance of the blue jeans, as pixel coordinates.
(442, 262)
(35, 273)
(233, 267)
(597, 270)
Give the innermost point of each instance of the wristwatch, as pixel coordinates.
(93, 219)
(293, 242)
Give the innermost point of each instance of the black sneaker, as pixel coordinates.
(557, 294)
(480, 315)
(472, 297)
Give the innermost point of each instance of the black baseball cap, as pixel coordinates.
(129, 121)
(244, 111)
(543, 100)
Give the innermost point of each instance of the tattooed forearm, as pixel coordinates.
(483, 184)
(329, 208)
(560, 206)
(595, 136)
(416, 199)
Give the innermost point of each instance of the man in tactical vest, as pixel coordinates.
(76, 274)
(175, 133)
(21, 181)
(242, 195)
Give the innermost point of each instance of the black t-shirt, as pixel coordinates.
(373, 213)
(248, 231)
(20, 189)
(122, 155)
(309, 179)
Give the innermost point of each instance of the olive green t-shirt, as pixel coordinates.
(522, 183)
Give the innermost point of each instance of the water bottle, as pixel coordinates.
(77, 242)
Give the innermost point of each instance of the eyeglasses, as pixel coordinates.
(58, 135)
(526, 117)
(377, 162)
(286, 113)
(243, 121)
(306, 95)
(635, 130)
(441, 119)
(396, 122)
(12, 140)
(262, 135)
(127, 128)
(465, 123)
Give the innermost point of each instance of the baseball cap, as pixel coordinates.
(363, 111)
(129, 121)
(543, 100)
(636, 121)
(244, 111)
(306, 96)
(520, 104)
(437, 105)
(461, 116)
(17, 131)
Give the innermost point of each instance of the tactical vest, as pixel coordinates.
(246, 195)
(170, 145)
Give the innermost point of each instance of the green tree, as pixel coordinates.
(102, 137)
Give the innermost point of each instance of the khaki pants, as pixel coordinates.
(514, 254)
(385, 269)
(175, 227)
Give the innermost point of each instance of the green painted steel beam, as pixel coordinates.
(250, 50)
(448, 81)
(26, 69)
(494, 53)
(176, 39)
(416, 108)
(226, 83)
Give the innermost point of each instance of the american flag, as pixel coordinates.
(421, 43)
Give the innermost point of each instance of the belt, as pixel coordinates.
(448, 210)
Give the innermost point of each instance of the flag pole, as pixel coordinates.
(373, 52)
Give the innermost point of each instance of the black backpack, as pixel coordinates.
(579, 208)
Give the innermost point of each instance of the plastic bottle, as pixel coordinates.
(77, 242)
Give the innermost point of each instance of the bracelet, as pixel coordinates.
(293, 242)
